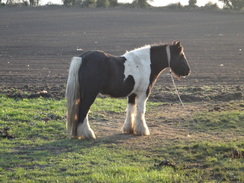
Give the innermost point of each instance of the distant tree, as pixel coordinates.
(141, 3)
(233, 4)
(175, 6)
(103, 3)
(211, 5)
(34, 2)
(68, 2)
(113, 3)
(23, 2)
(192, 3)
(89, 3)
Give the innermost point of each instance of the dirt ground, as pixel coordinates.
(36, 45)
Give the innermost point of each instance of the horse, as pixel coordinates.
(131, 75)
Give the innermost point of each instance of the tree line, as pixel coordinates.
(228, 4)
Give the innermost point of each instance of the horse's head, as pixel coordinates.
(177, 60)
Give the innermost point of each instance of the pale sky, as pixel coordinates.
(166, 2)
(154, 3)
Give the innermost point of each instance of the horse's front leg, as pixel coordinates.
(129, 125)
(141, 127)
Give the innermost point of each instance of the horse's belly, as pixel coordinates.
(119, 88)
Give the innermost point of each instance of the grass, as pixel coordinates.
(40, 151)
(226, 120)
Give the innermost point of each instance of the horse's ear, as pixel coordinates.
(178, 45)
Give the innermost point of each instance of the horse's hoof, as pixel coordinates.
(91, 136)
(130, 131)
(143, 133)
(87, 137)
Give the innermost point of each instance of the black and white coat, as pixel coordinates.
(131, 75)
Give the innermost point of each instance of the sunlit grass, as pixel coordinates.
(224, 120)
(40, 151)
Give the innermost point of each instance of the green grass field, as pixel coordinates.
(40, 151)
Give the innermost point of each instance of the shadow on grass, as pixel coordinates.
(51, 148)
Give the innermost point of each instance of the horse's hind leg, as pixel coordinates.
(141, 127)
(84, 130)
(130, 115)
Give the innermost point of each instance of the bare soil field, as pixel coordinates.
(36, 45)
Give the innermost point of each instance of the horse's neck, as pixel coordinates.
(159, 60)
(142, 52)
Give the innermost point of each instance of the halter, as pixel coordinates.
(168, 56)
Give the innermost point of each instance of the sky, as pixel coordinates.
(154, 3)
(166, 2)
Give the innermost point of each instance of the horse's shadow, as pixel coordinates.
(64, 146)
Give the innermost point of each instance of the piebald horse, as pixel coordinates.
(131, 75)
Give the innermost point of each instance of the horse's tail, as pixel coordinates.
(73, 97)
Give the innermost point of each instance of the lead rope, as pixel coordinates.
(172, 78)
(177, 91)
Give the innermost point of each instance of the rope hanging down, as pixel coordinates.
(172, 78)
(176, 90)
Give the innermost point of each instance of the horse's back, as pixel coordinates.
(104, 73)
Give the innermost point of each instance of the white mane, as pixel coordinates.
(137, 49)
